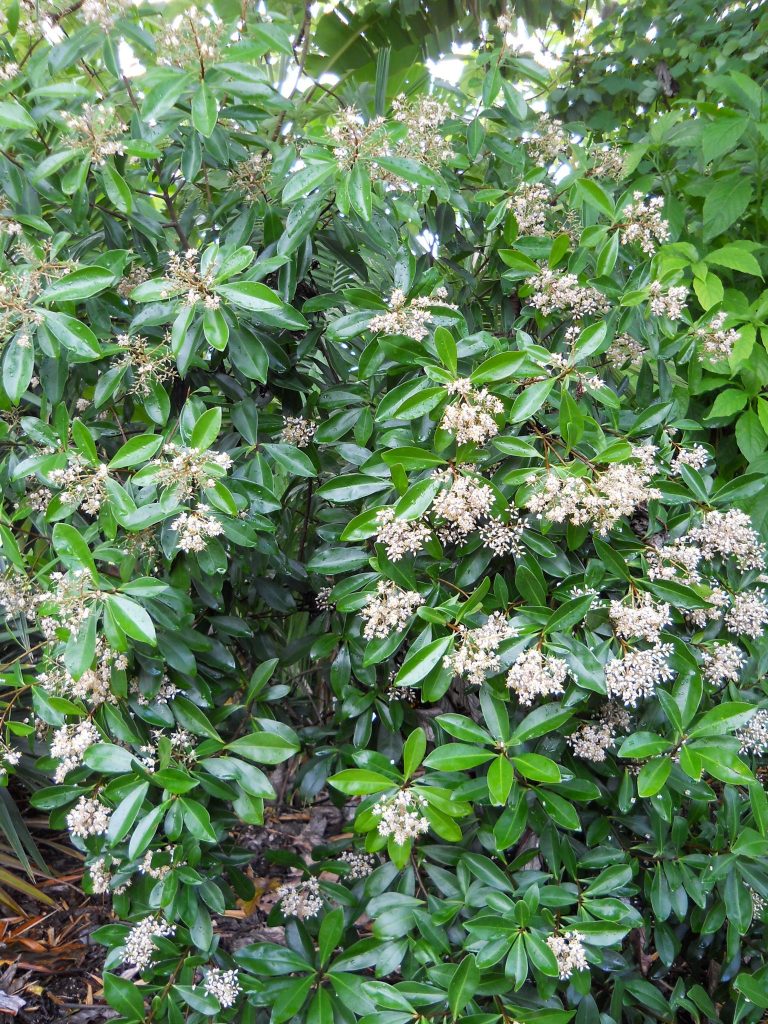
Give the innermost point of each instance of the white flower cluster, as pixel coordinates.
(183, 746)
(301, 900)
(644, 620)
(297, 431)
(94, 685)
(104, 13)
(536, 675)
(503, 538)
(409, 317)
(593, 740)
(548, 142)
(718, 600)
(644, 224)
(81, 485)
(753, 737)
(222, 985)
(531, 205)
(9, 758)
(388, 610)
(251, 175)
(636, 675)
(569, 953)
(20, 287)
(183, 276)
(188, 469)
(100, 876)
(132, 279)
(195, 528)
(723, 664)
(696, 458)
(193, 38)
(463, 507)
(600, 501)
(625, 351)
(19, 597)
(159, 694)
(748, 615)
(720, 536)
(504, 22)
(759, 903)
(471, 419)
(149, 363)
(716, 342)
(406, 694)
(66, 605)
(400, 536)
(423, 141)
(565, 368)
(607, 162)
(355, 139)
(555, 291)
(89, 817)
(669, 303)
(360, 864)
(161, 869)
(401, 816)
(98, 129)
(728, 535)
(70, 743)
(140, 947)
(476, 655)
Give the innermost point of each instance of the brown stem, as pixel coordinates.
(305, 527)
(166, 196)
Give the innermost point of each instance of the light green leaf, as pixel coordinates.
(205, 110)
(132, 618)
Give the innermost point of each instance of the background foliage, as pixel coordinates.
(406, 447)
(644, 73)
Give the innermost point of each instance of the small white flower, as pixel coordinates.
(88, 817)
(569, 953)
(748, 615)
(302, 900)
(644, 224)
(401, 816)
(222, 985)
(537, 675)
(360, 864)
(716, 342)
(669, 303)
(476, 655)
(753, 737)
(297, 431)
(638, 673)
(140, 947)
(388, 610)
(644, 620)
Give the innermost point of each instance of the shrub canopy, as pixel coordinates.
(358, 429)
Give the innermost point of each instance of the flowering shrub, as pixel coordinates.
(364, 441)
(683, 86)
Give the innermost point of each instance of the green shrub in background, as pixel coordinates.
(366, 437)
(685, 90)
